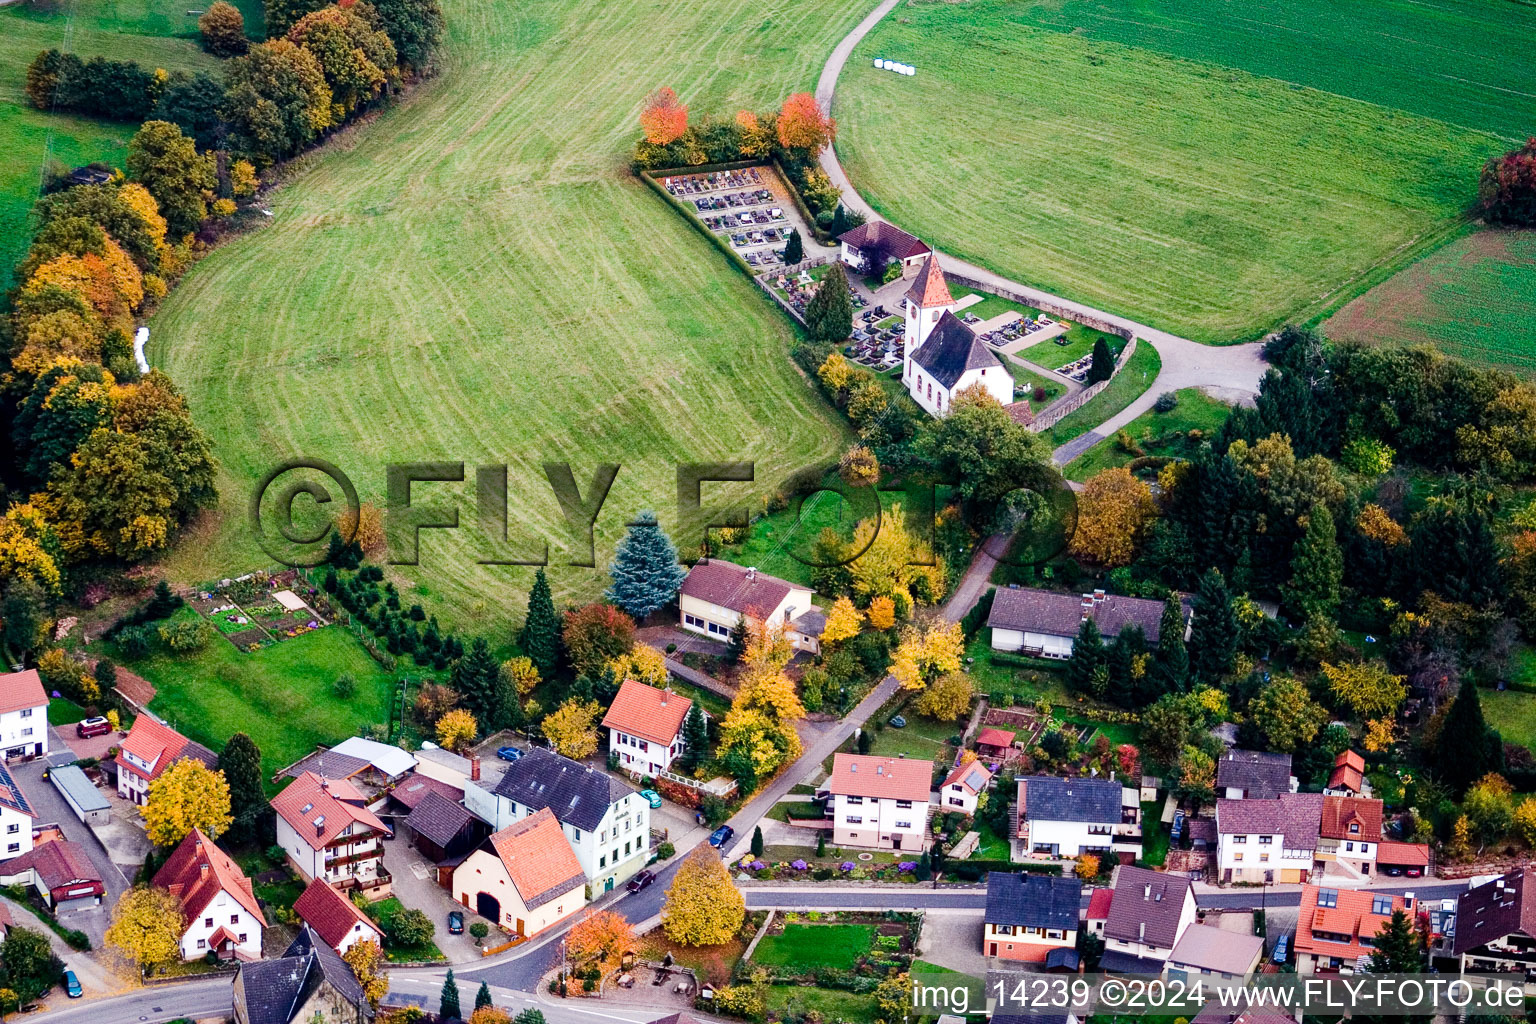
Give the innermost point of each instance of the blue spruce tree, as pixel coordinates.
(645, 571)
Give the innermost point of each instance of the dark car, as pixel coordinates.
(508, 753)
(641, 880)
(1392, 871)
(93, 727)
(720, 836)
(1282, 949)
(455, 922)
(72, 985)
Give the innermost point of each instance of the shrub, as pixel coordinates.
(411, 928)
(186, 637)
(1166, 402)
(344, 687)
(665, 850)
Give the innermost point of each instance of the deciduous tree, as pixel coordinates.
(415, 27)
(645, 571)
(802, 125)
(367, 961)
(927, 652)
(146, 926)
(595, 635)
(187, 795)
(571, 728)
(1367, 688)
(842, 623)
(222, 27)
(663, 119)
(456, 730)
(1113, 512)
(277, 100)
(168, 164)
(522, 673)
(1287, 715)
(946, 698)
(882, 613)
(600, 940)
(1507, 189)
(702, 906)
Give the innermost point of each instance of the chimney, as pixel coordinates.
(474, 768)
(1146, 891)
(664, 694)
(751, 573)
(1141, 932)
(197, 845)
(1099, 596)
(319, 827)
(202, 869)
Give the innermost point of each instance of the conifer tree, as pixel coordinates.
(1214, 634)
(1317, 569)
(483, 997)
(794, 248)
(829, 313)
(1088, 657)
(448, 1004)
(1467, 749)
(646, 574)
(1172, 666)
(482, 690)
(539, 639)
(240, 761)
(1103, 365)
(695, 739)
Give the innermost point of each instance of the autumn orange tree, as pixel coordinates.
(802, 125)
(1113, 512)
(702, 906)
(600, 940)
(663, 118)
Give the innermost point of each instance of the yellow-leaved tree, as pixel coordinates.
(946, 698)
(600, 940)
(1366, 687)
(522, 673)
(187, 795)
(367, 962)
(882, 613)
(702, 906)
(146, 927)
(927, 652)
(1113, 512)
(893, 562)
(643, 662)
(842, 623)
(570, 727)
(456, 729)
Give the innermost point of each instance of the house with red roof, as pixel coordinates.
(218, 907)
(962, 787)
(870, 247)
(1335, 928)
(148, 750)
(716, 594)
(645, 727)
(995, 743)
(335, 918)
(880, 803)
(1098, 909)
(941, 355)
(60, 871)
(328, 832)
(525, 877)
(23, 715)
(1348, 776)
(1349, 836)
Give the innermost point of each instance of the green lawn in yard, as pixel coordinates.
(1023, 685)
(785, 811)
(921, 737)
(280, 695)
(990, 305)
(1117, 733)
(384, 911)
(794, 1001)
(1155, 840)
(1207, 168)
(1151, 430)
(62, 711)
(1079, 343)
(993, 846)
(774, 540)
(481, 279)
(803, 948)
(1512, 713)
(1125, 387)
(1474, 298)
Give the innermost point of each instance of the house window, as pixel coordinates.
(207, 922)
(903, 805)
(242, 938)
(903, 824)
(1263, 858)
(602, 861)
(26, 712)
(234, 918)
(853, 819)
(202, 943)
(12, 828)
(13, 848)
(1327, 897)
(26, 731)
(855, 799)
(1265, 840)
(1239, 840)
(1237, 856)
(1349, 847)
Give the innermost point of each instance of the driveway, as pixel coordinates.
(95, 976)
(952, 938)
(415, 884)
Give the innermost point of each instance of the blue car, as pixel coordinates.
(508, 753)
(72, 985)
(651, 797)
(1282, 949)
(720, 836)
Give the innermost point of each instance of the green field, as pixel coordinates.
(212, 694)
(833, 1004)
(1163, 173)
(1152, 429)
(138, 30)
(475, 276)
(777, 543)
(1140, 370)
(1474, 298)
(803, 948)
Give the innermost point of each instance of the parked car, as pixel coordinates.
(651, 797)
(508, 753)
(97, 726)
(1177, 832)
(72, 985)
(898, 722)
(642, 880)
(455, 922)
(720, 836)
(1282, 949)
(1414, 872)
(1392, 871)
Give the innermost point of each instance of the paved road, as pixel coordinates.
(208, 998)
(1230, 373)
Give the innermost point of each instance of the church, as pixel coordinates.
(941, 355)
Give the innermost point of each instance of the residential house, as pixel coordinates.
(387, 763)
(1263, 841)
(994, 743)
(880, 803)
(1070, 817)
(1147, 916)
(1254, 775)
(16, 816)
(1349, 835)
(1336, 928)
(444, 831)
(941, 355)
(716, 594)
(309, 980)
(645, 727)
(1496, 925)
(334, 918)
(963, 786)
(147, 751)
(404, 796)
(60, 871)
(1348, 776)
(23, 715)
(328, 764)
(1205, 951)
(327, 831)
(1214, 1012)
(218, 906)
(606, 823)
(1097, 914)
(524, 877)
(1029, 916)
(804, 630)
(871, 246)
(1044, 623)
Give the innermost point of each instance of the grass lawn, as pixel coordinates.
(1024, 685)
(212, 694)
(993, 846)
(990, 305)
(1079, 343)
(384, 911)
(62, 711)
(785, 811)
(713, 964)
(803, 948)
(1151, 430)
(774, 540)
(1025, 381)
(482, 280)
(1154, 838)
(921, 738)
(1125, 387)
(1115, 154)
(794, 1001)
(1474, 298)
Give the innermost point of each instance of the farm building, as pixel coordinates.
(525, 877)
(82, 797)
(871, 246)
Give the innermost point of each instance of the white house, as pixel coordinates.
(148, 750)
(525, 877)
(607, 824)
(219, 908)
(645, 727)
(335, 918)
(1349, 836)
(328, 832)
(941, 355)
(1044, 623)
(1148, 915)
(717, 594)
(1070, 817)
(880, 802)
(23, 715)
(16, 817)
(961, 789)
(871, 246)
(1263, 841)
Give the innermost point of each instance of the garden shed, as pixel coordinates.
(88, 803)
